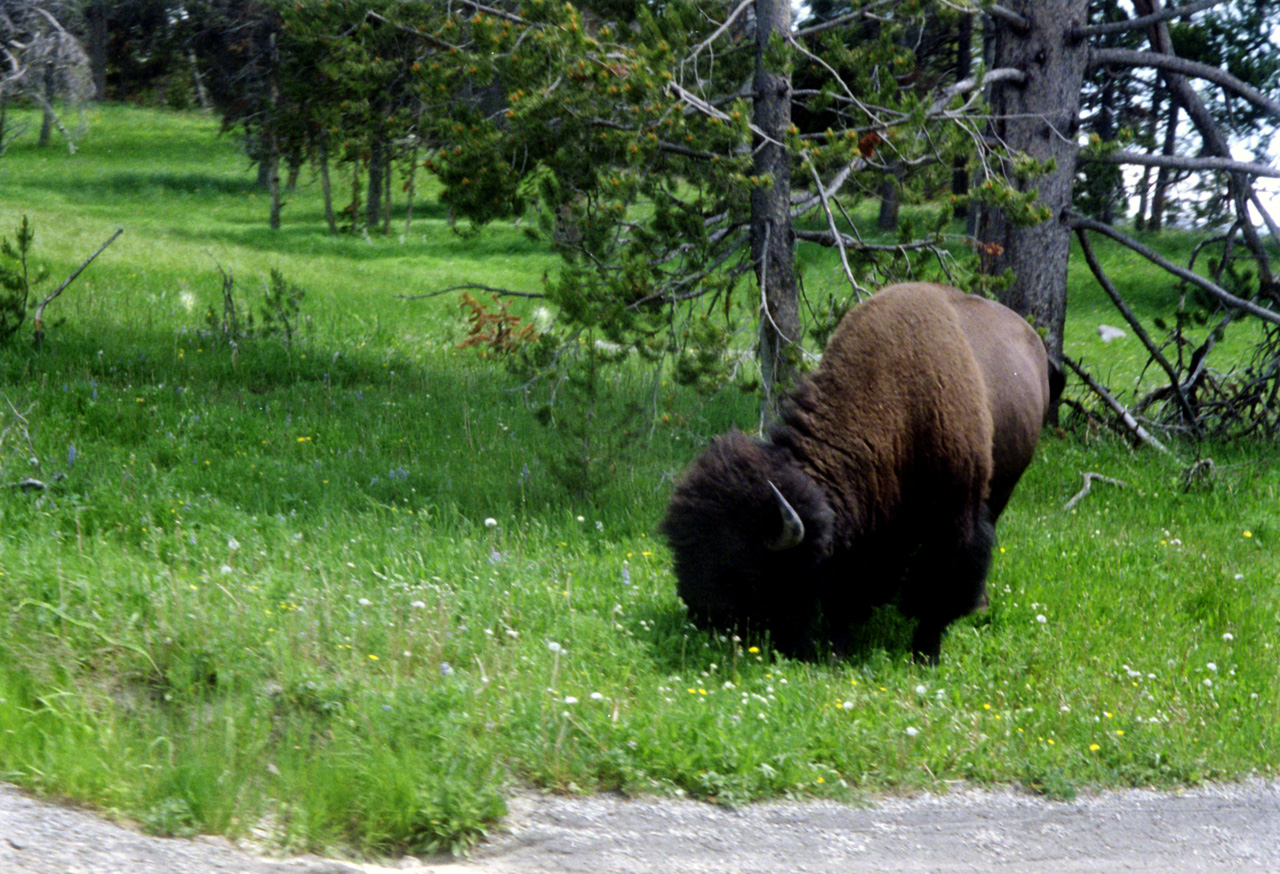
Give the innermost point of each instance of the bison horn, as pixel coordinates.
(792, 533)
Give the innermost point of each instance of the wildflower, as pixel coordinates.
(1228, 637)
(365, 602)
(912, 731)
(582, 519)
(753, 649)
(554, 647)
(1208, 684)
(372, 657)
(920, 690)
(491, 522)
(848, 705)
(225, 569)
(626, 574)
(569, 699)
(419, 605)
(1248, 533)
(1211, 666)
(1093, 748)
(596, 696)
(233, 544)
(1040, 617)
(445, 669)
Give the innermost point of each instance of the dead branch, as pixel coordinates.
(1180, 162)
(1077, 221)
(1132, 424)
(1175, 385)
(1170, 63)
(1089, 479)
(472, 286)
(39, 332)
(1087, 31)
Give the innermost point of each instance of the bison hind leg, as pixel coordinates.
(946, 584)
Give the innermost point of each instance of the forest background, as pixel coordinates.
(254, 450)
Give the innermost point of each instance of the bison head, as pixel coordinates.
(745, 524)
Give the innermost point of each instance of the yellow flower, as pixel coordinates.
(1093, 748)
(1248, 533)
(753, 649)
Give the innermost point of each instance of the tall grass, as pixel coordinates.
(330, 588)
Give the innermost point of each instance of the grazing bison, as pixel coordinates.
(883, 478)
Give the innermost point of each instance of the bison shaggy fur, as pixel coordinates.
(882, 480)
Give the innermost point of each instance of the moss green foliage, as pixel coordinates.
(331, 586)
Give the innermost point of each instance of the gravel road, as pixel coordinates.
(1220, 828)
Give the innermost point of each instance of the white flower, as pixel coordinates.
(365, 602)
(1208, 683)
(912, 731)
(1211, 666)
(1040, 617)
(1228, 637)
(226, 569)
(848, 705)
(419, 605)
(582, 519)
(554, 647)
(445, 669)
(569, 699)
(491, 522)
(233, 544)
(596, 696)
(920, 690)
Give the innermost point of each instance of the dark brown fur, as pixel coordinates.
(898, 454)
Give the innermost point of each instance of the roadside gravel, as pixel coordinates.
(1219, 828)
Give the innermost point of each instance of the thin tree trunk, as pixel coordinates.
(771, 236)
(98, 36)
(1159, 196)
(377, 167)
(1041, 119)
(49, 81)
(326, 186)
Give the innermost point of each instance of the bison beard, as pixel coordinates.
(883, 479)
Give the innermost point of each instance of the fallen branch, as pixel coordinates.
(1141, 433)
(1089, 479)
(39, 333)
(469, 286)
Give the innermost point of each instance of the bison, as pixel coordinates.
(883, 478)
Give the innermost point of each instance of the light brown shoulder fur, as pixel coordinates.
(899, 373)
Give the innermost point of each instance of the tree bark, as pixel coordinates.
(377, 169)
(1039, 118)
(771, 232)
(1160, 195)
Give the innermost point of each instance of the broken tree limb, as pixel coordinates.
(1175, 385)
(1089, 479)
(1135, 428)
(39, 332)
(1078, 221)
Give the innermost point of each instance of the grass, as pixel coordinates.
(331, 589)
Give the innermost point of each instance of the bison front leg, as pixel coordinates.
(948, 581)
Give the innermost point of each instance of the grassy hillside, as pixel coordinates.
(331, 587)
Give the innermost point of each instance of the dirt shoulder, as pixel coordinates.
(1221, 828)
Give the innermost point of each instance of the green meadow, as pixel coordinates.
(330, 587)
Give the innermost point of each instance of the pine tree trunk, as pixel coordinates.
(326, 186)
(373, 201)
(1040, 118)
(771, 233)
(1160, 196)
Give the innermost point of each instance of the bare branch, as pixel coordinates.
(1079, 33)
(1112, 292)
(1178, 162)
(1226, 297)
(1126, 417)
(1089, 479)
(471, 286)
(39, 332)
(1183, 67)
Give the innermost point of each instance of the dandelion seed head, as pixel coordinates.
(1040, 617)
(1228, 636)
(491, 522)
(848, 705)
(554, 647)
